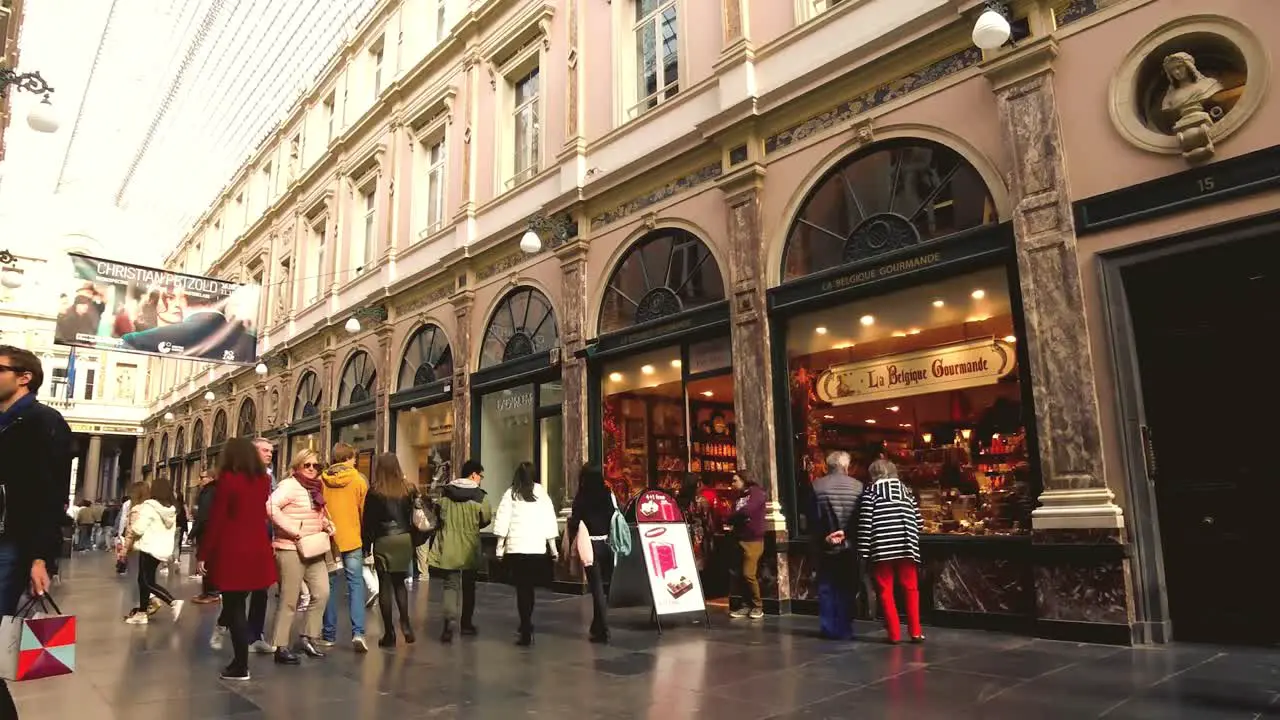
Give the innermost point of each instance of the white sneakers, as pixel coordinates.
(137, 618)
(218, 637)
(176, 609)
(261, 647)
(358, 642)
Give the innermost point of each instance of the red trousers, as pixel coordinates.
(905, 569)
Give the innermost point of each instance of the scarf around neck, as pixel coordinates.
(314, 488)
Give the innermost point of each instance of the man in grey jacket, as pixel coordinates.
(834, 520)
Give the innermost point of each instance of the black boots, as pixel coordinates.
(407, 630)
(446, 635)
(525, 636)
(285, 656)
(388, 639)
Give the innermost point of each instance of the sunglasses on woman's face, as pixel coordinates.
(311, 466)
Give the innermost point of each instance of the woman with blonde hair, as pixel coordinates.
(152, 529)
(302, 540)
(388, 537)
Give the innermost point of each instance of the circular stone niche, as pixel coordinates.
(1201, 76)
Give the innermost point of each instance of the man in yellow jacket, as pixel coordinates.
(344, 492)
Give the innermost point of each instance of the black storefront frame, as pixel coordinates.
(983, 247)
(536, 369)
(309, 425)
(349, 415)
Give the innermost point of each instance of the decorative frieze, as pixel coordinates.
(871, 99)
(680, 185)
(436, 295)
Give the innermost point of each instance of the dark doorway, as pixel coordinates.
(1203, 324)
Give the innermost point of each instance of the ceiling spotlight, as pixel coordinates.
(842, 346)
(867, 320)
(913, 331)
(870, 421)
(707, 393)
(209, 396)
(1010, 338)
(168, 416)
(647, 369)
(899, 333)
(893, 408)
(978, 294)
(676, 364)
(261, 369)
(828, 417)
(939, 303)
(820, 330)
(615, 377)
(904, 425)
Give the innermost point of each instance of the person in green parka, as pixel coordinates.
(455, 548)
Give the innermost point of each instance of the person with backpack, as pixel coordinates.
(588, 532)
(463, 509)
(527, 531)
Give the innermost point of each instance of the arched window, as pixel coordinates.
(197, 436)
(893, 195)
(164, 448)
(306, 400)
(427, 358)
(524, 323)
(665, 272)
(359, 380)
(180, 445)
(219, 428)
(151, 451)
(247, 423)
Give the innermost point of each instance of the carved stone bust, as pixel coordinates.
(1188, 87)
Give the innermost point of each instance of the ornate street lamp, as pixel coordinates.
(42, 117)
(992, 30)
(10, 277)
(556, 228)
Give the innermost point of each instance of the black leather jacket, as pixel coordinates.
(384, 516)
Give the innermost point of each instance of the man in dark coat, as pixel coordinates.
(204, 504)
(835, 528)
(35, 479)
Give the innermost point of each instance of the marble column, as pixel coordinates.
(92, 468)
(386, 368)
(329, 388)
(1088, 583)
(753, 391)
(573, 371)
(462, 301)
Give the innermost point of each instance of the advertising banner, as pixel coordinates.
(110, 305)
(950, 367)
(673, 574)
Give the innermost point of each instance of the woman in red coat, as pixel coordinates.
(234, 549)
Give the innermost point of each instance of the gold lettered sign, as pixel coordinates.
(950, 367)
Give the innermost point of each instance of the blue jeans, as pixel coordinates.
(353, 569)
(15, 577)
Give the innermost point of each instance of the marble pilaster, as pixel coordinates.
(385, 368)
(573, 370)
(329, 387)
(463, 302)
(753, 393)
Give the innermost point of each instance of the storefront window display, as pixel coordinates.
(357, 387)
(304, 441)
(928, 376)
(517, 409)
(424, 443)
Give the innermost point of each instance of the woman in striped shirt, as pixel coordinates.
(889, 537)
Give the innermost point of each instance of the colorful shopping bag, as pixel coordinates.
(35, 644)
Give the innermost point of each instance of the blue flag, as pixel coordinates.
(71, 374)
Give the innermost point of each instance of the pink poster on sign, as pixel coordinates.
(655, 506)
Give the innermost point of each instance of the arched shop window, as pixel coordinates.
(197, 436)
(151, 452)
(247, 422)
(306, 399)
(359, 380)
(219, 428)
(924, 369)
(427, 358)
(164, 448)
(524, 323)
(665, 272)
(179, 445)
(898, 194)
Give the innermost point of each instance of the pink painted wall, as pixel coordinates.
(1082, 76)
(596, 49)
(770, 19)
(701, 29)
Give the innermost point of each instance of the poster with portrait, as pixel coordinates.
(109, 305)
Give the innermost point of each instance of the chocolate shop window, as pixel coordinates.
(929, 378)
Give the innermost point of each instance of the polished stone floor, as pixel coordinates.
(773, 669)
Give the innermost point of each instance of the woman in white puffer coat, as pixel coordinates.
(526, 527)
(151, 530)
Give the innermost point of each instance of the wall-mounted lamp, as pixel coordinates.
(375, 314)
(992, 29)
(209, 396)
(556, 228)
(169, 415)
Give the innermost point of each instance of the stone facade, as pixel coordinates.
(1014, 115)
